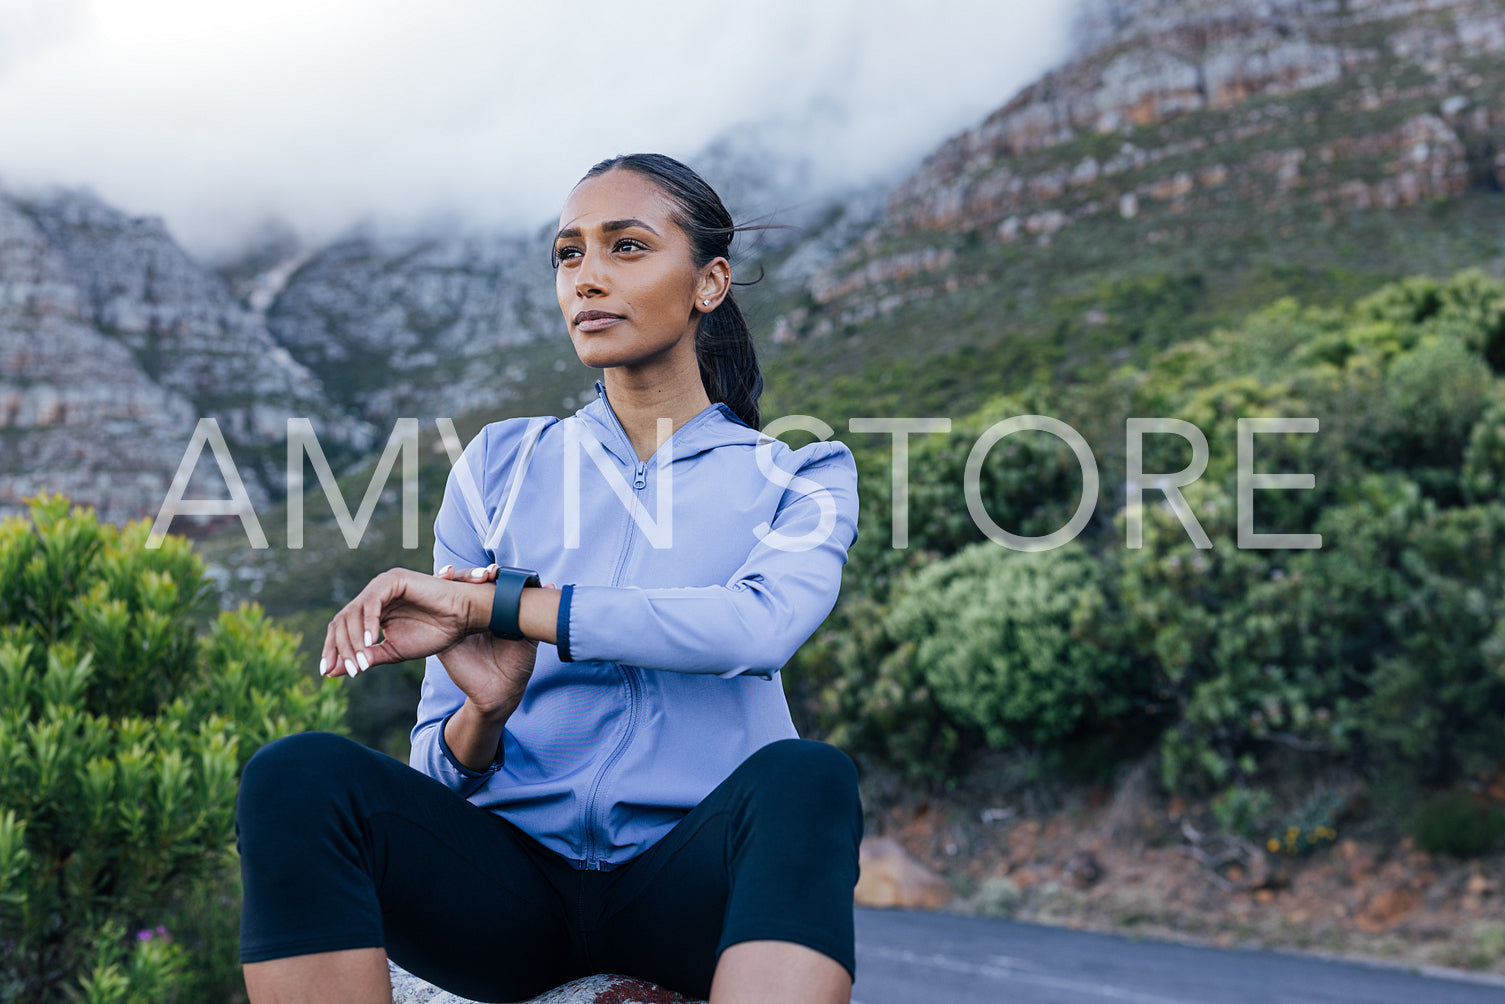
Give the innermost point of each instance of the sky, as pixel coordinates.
(320, 114)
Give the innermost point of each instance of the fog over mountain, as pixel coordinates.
(320, 113)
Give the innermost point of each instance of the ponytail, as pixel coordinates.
(723, 342)
(728, 362)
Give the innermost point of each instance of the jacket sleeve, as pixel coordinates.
(754, 623)
(461, 529)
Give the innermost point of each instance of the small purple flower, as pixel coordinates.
(144, 935)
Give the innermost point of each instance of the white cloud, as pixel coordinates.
(323, 112)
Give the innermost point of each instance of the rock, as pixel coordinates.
(892, 877)
(603, 989)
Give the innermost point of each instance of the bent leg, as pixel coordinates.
(769, 856)
(758, 971)
(352, 976)
(343, 848)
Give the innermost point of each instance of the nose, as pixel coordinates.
(590, 275)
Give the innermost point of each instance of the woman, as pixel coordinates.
(607, 776)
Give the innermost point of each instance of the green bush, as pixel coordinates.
(1484, 458)
(998, 635)
(125, 718)
(1311, 827)
(1433, 396)
(1458, 824)
(1383, 651)
(990, 643)
(1242, 810)
(1435, 693)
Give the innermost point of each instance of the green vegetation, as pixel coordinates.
(1381, 652)
(126, 714)
(1378, 653)
(1457, 823)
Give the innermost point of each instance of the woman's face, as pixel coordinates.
(626, 281)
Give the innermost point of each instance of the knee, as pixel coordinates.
(816, 774)
(292, 764)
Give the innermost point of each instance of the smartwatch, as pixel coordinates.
(510, 583)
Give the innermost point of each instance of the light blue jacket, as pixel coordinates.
(688, 580)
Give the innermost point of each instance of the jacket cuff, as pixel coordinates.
(454, 761)
(562, 625)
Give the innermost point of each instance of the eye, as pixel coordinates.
(563, 254)
(630, 244)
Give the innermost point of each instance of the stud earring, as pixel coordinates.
(706, 302)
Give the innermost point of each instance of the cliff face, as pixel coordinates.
(113, 343)
(1178, 107)
(417, 326)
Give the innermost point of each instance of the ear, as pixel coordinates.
(715, 282)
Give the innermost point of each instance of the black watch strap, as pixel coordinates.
(510, 583)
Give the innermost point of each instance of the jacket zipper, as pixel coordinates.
(592, 862)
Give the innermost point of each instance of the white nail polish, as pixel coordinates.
(368, 639)
(323, 665)
(447, 570)
(365, 663)
(478, 573)
(351, 668)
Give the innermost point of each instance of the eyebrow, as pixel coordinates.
(610, 226)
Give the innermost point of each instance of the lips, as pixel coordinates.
(595, 320)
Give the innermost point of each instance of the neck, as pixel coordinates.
(640, 400)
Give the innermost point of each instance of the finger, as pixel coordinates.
(344, 651)
(326, 652)
(370, 625)
(486, 573)
(362, 620)
(447, 572)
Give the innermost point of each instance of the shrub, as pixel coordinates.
(1434, 395)
(997, 635)
(1435, 694)
(1241, 810)
(1312, 826)
(1457, 823)
(124, 723)
(1484, 459)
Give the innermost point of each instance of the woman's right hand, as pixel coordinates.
(400, 615)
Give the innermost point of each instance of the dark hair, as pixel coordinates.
(723, 342)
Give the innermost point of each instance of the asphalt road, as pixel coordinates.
(911, 957)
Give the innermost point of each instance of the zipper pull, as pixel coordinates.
(640, 481)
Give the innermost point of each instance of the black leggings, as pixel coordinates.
(343, 847)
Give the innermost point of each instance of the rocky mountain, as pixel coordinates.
(417, 325)
(1193, 158)
(1182, 121)
(113, 343)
